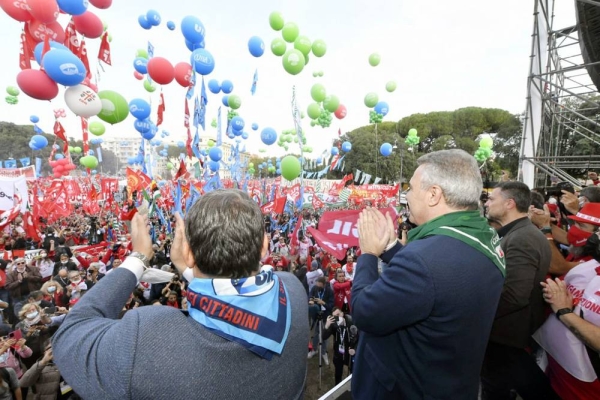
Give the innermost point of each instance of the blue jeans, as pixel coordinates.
(313, 311)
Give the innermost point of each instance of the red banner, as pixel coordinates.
(108, 186)
(104, 51)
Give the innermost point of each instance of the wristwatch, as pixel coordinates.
(546, 229)
(141, 257)
(562, 312)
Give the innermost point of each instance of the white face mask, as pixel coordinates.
(52, 289)
(75, 280)
(32, 315)
(3, 357)
(153, 275)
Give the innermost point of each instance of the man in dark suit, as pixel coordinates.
(508, 365)
(425, 321)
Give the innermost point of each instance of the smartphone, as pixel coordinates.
(50, 310)
(17, 335)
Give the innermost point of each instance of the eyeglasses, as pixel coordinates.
(20, 263)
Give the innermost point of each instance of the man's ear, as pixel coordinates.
(265, 247)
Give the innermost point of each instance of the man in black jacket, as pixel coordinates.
(507, 364)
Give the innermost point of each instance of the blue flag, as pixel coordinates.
(254, 82)
(195, 145)
(219, 133)
(25, 162)
(177, 199)
(190, 91)
(203, 103)
(196, 120)
(10, 164)
(37, 130)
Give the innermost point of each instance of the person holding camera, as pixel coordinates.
(339, 326)
(320, 304)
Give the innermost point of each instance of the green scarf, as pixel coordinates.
(469, 227)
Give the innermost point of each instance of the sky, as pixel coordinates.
(442, 54)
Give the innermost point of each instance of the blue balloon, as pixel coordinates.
(231, 135)
(237, 123)
(213, 86)
(382, 108)
(34, 119)
(90, 152)
(215, 153)
(214, 165)
(141, 65)
(256, 46)
(94, 172)
(192, 29)
(64, 67)
(171, 25)
(236, 132)
(32, 146)
(278, 171)
(139, 108)
(180, 144)
(245, 135)
(149, 135)
(139, 159)
(227, 86)
(319, 160)
(268, 136)
(386, 149)
(40, 141)
(193, 46)
(254, 126)
(58, 156)
(144, 23)
(278, 164)
(93, 141)
(346, 146)
(153, 17)
(73, 7)
(225, 101)
(335, 151)
(142, 125)
(39, 48)
(202, 61)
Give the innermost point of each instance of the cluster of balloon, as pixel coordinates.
(140, 109)
(318, 74)
(290, 167)
(412, 139)
(273, 169)
(320, 111)
(379, 108)
(386, 149)
(38, 142)
(237, 125)
(61, 166)
(150, 19)
(96, 141)
(485, 149)
(294, 59)
(375, 118)
(13, 93)
(139, 159)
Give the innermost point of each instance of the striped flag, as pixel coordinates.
(344, 194)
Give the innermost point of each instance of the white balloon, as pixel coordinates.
(83, 101)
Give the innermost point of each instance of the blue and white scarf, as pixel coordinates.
(253, 312)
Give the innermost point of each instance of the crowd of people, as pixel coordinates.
(492, 296)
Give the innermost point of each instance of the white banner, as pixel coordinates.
(8, 186)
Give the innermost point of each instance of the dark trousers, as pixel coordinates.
(508, 368)
(339, 362)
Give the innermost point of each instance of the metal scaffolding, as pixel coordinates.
(558, 77)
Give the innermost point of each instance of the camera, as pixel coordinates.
(557, 190)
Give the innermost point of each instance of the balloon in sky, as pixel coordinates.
(225, 100)
(161, 70)
(276, 21)
(36, 84)
(303, 44)
(256, 46)
(331, 103)
(171, 25)
(97, 128)
(318, 92)
(64, 67)
(254, 126)
(278, 47)
(319, 48)
(140, 108)
(346, 146)
(226, 86)
(268, 136)
(192, 29)
(153, 17)
(37, 51)
(114, 107)
(89, 25)
(144, 23)
(290, 32)
(73, 7)
(237, 123)
(83, 101)
(382, 108)
(293, 61)
(202, 61)
(45, 11)
(385, 149)
(183, 73)
(214, 86)
(215, 154)
(371, 99)
(374, 59)
(390, 86)
(290, 167)
(341, 112)
(141, 65)
(234, 101)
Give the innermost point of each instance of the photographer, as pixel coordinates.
(320, 305)
(339, 325)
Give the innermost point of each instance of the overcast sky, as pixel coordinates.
(443, 55)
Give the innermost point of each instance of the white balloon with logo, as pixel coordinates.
(83, 101)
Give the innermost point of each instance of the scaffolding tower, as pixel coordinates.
(564, 69)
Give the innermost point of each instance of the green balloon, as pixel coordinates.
(77, 150)
(211, 143)
(278, 47)
(295, 139)
(306, 59)
(89, 162)
(303, 44)
(290, 167)
(371, 99)
(12, 100)
(13, 91)
(109, 38)
(302, 115)
(169, 165)
(486, 142)
(374, 59)
(318, 92)
(149, 86)
(234, 101)
(97, 128)
(412, 132)
(390, 86)
(114, 107)
(293, 62)
(276, 21)
(331, 103)
(290, 32)
(251, 165)
(142, 53)
(315, 74)
(71, 149)
(313, 110)
(319, 48)
(321, 73)
(262, 150)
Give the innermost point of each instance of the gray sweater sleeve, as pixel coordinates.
(93, 349)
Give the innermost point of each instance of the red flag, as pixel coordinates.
(188, 143)
(30, 42)
(182, 172)
(104, 52)
(45, 49)
(84, 131)
(71, 40)
(84, 58)
(108, 187)
(186, 121)
(24, 61)
(9, 215)
(294, 239)
(339, 132)
(317, 203)
(161, 109)
(59, 131)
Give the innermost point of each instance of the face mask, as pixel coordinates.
(52, 289)
(32, 315)
(63, 262)
(577, 237)
(153, 275)
(76, 280)
(4, 357)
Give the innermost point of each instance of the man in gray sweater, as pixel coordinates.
(247, 330)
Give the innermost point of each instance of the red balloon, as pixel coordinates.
(341, 112)
(57, 175)
(160, 70)
(89, 25)
(183, 73)
(39, 31)
(16, 9)
(138, 76)
(45, 11)
(102, 4)
(36, 84)
(58, 169)
(52, 163)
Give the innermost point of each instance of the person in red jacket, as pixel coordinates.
(342, 291)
